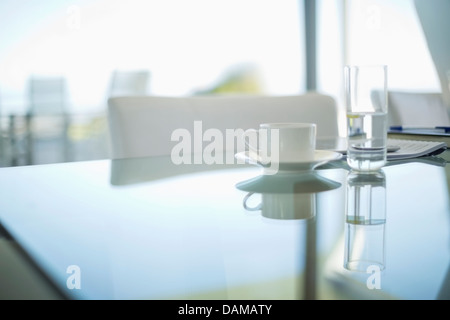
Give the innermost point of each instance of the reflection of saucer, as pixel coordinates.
(320, 157)
(306, 182)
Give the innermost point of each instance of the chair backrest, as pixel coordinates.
(417, 109)
(129, 83)
(143, 126)
(47, 95)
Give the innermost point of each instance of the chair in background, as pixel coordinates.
(3, 156)
(47, 120)
(47, 95)
(129, 83)
(417, 109)
(142, 126)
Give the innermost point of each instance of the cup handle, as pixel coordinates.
(246, 207)
(247, 134)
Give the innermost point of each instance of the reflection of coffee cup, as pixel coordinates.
(283, 142)
(284, 206)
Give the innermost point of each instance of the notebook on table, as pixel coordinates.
(401, 148)
(437, 135)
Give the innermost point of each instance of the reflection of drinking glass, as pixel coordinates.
(366, 102)
(365, 221)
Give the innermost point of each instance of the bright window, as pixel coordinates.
(389, 32)
(188, 47)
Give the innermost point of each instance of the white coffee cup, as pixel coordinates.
(283, 142)
(284, 206)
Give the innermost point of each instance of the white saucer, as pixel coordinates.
(320, 157)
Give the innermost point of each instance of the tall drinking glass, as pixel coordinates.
(366, 102)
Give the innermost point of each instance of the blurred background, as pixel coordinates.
(61, 60)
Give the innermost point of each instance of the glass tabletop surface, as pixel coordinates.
(149, 229)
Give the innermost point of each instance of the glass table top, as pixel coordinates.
(148, 229)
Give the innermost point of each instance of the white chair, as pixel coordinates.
(417, 109)
(48, 120)
(129, 83)
(142, 126)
